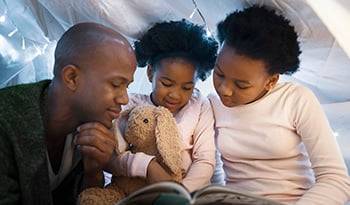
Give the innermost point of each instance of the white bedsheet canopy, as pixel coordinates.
(29, 30)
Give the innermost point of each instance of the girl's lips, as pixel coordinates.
(226, 101)
(170, 105)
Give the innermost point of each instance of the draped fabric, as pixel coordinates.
(29, 30)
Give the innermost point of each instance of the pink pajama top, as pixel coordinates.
(195, 123)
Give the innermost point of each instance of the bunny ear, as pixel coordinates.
(119, 130)
(123, 118)
(121, 145)
(168, 140)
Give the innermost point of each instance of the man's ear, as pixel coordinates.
(149, 73)
(70, 76)
(271, 81)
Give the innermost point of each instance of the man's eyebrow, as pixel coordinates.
(123, 79)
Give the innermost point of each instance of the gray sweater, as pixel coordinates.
(24, 176)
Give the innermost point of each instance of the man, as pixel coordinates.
(55, 136)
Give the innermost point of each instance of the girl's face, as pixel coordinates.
(240, 80)
(173, 82)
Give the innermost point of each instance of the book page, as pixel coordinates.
(156, 194)
(216, 194)
(172, 193)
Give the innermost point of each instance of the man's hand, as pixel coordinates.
(96, 143)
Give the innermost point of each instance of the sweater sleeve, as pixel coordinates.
(9, 189)
(203, 152)
(132, 164)
(332, 181)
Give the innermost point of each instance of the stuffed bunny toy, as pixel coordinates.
(148, 129)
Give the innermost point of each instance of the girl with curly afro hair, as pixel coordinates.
(273, 137)
(177, 54)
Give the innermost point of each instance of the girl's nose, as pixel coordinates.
(226, 89)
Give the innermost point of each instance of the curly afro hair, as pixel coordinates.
(261, 34)
(177, 39)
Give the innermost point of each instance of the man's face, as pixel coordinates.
(103, 84)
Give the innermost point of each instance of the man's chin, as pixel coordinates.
(108, 124)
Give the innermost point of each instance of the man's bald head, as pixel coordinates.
(79, 43)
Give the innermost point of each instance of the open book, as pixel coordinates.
(172, 193)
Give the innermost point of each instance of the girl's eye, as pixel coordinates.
(241, 87)
(219, 74)
(188, 88)
(166, 84)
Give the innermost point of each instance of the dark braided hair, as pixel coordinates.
(262, 34)
(178, 39)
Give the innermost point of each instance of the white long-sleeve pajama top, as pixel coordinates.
(282, 147)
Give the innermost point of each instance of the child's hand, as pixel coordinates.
(156, 173)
